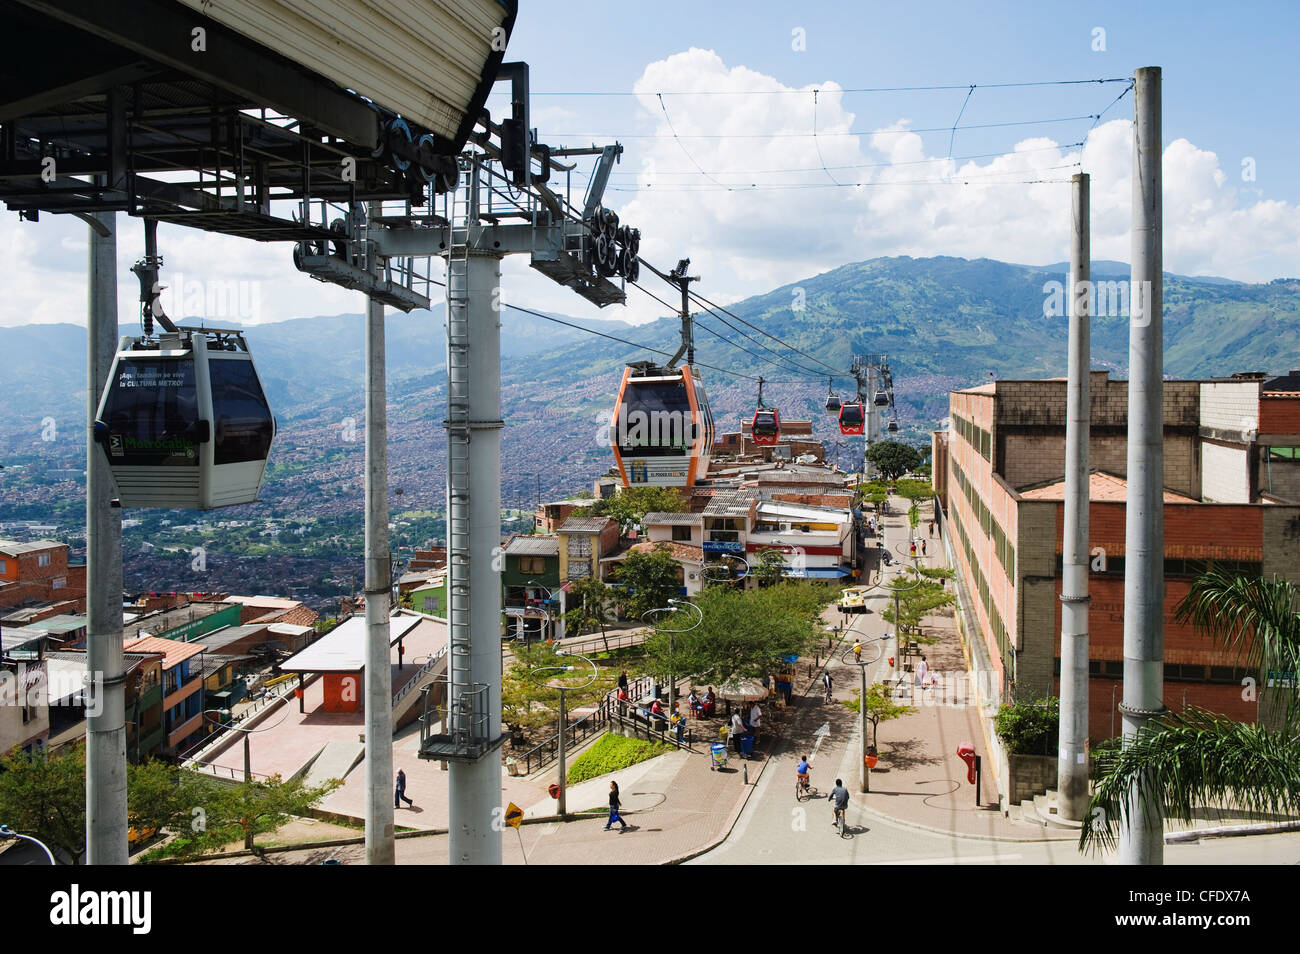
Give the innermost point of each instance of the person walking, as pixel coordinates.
(923, 673)
(737, 731)
(613, 809)
(622, 680)
(931, 528)
(400, 794)
(923, 553)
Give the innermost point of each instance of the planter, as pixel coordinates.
(1030, 775)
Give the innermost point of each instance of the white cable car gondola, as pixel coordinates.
(184, 421)
(662, 429)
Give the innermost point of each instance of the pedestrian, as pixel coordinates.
(923, 553)
(931, 528)
(622, 680)
(679, 725)
(922, 673)
(613, 809)
(755, 719)
(913, 548)
(737, 731)
(857, 650)
(400, 795)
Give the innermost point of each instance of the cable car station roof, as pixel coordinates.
(209, 137)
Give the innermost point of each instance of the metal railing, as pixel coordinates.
(414, 681)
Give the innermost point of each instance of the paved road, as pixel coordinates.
(774, 828)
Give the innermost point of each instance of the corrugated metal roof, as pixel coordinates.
(533, 546)
(728, 503)
(661, 519)
(584, 525)
(14, 548)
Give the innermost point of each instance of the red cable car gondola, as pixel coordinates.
(766, 428)
(852, 419)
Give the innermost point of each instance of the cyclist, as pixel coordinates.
(839, 798)
(827, 681)
(801, 772)
(857, 650)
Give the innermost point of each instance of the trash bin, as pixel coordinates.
(717, 756)
(747, 746)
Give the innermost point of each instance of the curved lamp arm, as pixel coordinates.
(7, 832)
(595, 673)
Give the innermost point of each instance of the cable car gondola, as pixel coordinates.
(852, 418)
(832, 399)
(882, 399)
(893, 427)
(184, 421)
(765, 430)
(661, 431)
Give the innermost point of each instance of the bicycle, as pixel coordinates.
(803, 789)
(828, 698)
(840, 822)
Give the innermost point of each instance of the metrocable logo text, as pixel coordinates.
(76, 907)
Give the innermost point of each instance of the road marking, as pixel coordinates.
(823, 732)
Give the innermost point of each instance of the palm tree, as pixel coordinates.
(1198, 758)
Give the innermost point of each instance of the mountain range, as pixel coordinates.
(944, 322)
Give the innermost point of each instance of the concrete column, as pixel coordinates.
(475, 799)
(106, 842)
(1141, 840)
(1072, 767)
(380, 776)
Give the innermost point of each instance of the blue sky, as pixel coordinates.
(1230, 69)
(769, 210)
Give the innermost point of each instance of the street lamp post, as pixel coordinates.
(564, 710)
(673, 606)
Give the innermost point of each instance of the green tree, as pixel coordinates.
(893, 459)
(744, 633)
(769, 568)
(881, 707)
(593, 602)
(652, 577)
(44, 795)
(1196, 759)
(631, 504)
(918, 597)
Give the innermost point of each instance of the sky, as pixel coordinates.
(759, 143)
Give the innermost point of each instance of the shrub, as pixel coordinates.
(610, 753)
(1029, 728)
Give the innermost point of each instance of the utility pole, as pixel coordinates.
(1072, 757)
(864, 773)
(380, 844)
(106, 841)
(1141, 836)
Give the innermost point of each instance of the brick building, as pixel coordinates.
(1230, 458)
(39, 572)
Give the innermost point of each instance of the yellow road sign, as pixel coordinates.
(514, 815)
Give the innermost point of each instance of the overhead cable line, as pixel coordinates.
(820, 157)
(682, 145)
(859, 89)
(873, 132)
(700, 298)
(964, 103)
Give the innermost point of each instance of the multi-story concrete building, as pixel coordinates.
(999, 481)
(182, 683)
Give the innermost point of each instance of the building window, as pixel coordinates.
(532, 564)
(42, 559)
(4, 566)
(681, 534)
(58, 583)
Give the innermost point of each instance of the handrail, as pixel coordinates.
(427, 668)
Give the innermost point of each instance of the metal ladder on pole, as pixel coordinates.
(460, 702)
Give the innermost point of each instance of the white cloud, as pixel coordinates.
(906, 200)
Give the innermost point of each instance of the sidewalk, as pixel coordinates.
(920, 782)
